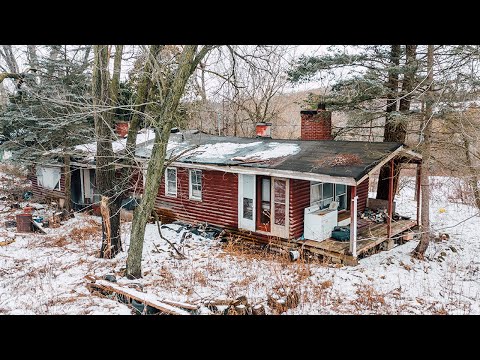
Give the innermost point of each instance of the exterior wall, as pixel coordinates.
(39, 191)
(362, 193)
(316, 125)
(219, 204)
(299, 200)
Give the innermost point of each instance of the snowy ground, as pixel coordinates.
(44, 274)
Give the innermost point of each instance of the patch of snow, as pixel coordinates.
(218, 150)
(275, 150)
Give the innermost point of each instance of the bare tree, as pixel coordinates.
(177, 80)
(422, 246)
(105, 165)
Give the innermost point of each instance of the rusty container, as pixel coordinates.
(24, 223)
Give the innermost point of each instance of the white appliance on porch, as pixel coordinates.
(319, 224)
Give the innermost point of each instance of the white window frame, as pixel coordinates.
(40, 170)
(172, 194)
(334, 196)
(191, 196)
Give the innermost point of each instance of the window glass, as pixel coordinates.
(196, 184)
(171, 181)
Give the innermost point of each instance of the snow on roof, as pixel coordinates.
(214, 152)
(90, 149)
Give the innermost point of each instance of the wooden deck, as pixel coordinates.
(367, 238)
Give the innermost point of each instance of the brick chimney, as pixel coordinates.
(316, 124)
(264, 130)
(121, 128)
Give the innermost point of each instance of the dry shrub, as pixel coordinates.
(60, 241)
(326, 284)
(200, 278)
(86, 232)
(368, 298)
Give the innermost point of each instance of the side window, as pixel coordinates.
(315, 193)
(195, 184)
(341, 196)
(171, 182)
(48, 177)
(322, 194)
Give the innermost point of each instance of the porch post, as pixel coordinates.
(390, 201)
(417, 191)
(353, 221)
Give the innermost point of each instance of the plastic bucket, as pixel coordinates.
(24, 222)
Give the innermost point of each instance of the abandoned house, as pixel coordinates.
(48, 177)
(292, 193)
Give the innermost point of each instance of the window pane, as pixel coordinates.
(279, 214)
(327, 190)
(171, 174)
(196, 193)
(248, 208)
(266, 190)
(315, 193)
(279, 190)
(340, 189)
(171, 187)
(196, 183)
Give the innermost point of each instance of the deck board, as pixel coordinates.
(367, 238)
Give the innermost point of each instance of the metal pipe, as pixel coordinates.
(390, 202)
(354, 244)
(417, 191)
(353, 222)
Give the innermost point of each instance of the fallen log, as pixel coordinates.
(7, 242)
(219, 302)
(147, 299)
(180, 304)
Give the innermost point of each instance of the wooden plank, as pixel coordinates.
(180, 304)
(147, 299)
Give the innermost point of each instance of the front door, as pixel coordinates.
(246, 202)
(264, 203)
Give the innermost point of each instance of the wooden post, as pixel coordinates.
(390, 201)
(417, 191)
(353, 221)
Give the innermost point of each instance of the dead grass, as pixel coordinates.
(368, 299)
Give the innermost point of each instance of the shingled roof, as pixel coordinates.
(346, 159)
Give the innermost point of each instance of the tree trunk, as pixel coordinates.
(422, 246)
(143, 91)
(473, 181)
(163, 124)
(389, 135)
(117, 67)
(32, 56)
(105, 169)
(68, 181)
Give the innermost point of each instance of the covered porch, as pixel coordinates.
(368, 236)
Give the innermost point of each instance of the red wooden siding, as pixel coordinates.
(219, 204)
(40, 192)
(362, 193)
(299, 200)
